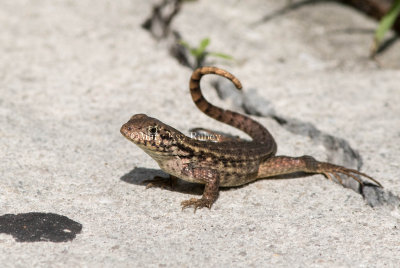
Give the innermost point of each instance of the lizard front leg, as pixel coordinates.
(280, 165)
(211, 179)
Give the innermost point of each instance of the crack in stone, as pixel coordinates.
(338, 149)
(159, 25)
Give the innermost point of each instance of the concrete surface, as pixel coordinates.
(72, 72)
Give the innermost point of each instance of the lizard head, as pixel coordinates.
(151, 135)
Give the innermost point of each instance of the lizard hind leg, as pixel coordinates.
(280, 165)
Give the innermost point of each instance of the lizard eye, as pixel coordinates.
(153, 131)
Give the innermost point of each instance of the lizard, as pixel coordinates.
(224, 162)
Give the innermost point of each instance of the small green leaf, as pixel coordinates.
(200, 53)
(221, 55)
(385, 24)
(193, 51)
(204, 43)
(201, 49)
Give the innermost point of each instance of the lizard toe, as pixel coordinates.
(196, 203)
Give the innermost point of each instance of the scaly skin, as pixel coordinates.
(223, 162)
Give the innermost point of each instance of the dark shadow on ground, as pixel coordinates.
(139, 175)
(39, 226)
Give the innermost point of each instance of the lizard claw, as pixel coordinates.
(330, 169)
(196, 203)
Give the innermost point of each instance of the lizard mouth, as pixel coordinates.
(131, 134)
(125, 130)
(137, 137)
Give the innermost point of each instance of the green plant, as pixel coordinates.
(200, 53)
(384, 25)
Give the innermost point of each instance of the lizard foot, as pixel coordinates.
(197, 203)
(330, 170)
(161, 182)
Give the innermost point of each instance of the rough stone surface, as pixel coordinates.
(72, 72)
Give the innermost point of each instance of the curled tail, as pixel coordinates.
(254, 129)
